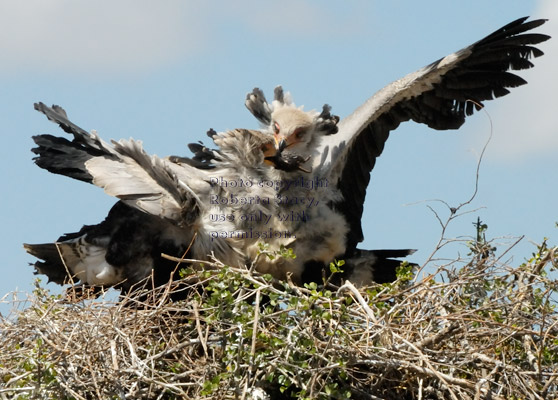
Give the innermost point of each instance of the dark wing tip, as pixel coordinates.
(516, 28)
(279, 94)
(326, 122)
(257, 104)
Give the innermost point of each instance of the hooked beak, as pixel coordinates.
(280, 143)
(286, 162)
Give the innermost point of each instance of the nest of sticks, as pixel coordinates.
(483, 330)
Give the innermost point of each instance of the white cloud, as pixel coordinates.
(299, 18)
(130, 36)
(97, 36)
(526, 121)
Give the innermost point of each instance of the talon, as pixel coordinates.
(289, 162)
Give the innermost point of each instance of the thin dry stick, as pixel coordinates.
(454, 210)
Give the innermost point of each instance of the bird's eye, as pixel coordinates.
(276, 127)
(299, 132)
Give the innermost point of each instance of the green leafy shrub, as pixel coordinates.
(483, 330)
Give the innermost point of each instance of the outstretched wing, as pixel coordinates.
(148, 183)
(62, 156)
(439, 95)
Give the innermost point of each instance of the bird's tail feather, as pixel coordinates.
(50, 262)
(379, 266)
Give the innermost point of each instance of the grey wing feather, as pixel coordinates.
(148, 183)
(439, 95)
(62, 156)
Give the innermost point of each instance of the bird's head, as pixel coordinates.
(295, 131)
(292, 129)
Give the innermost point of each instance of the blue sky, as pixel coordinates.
(165, 72)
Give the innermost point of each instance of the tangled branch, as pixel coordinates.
(484, 331)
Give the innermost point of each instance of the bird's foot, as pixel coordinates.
(289, 162)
